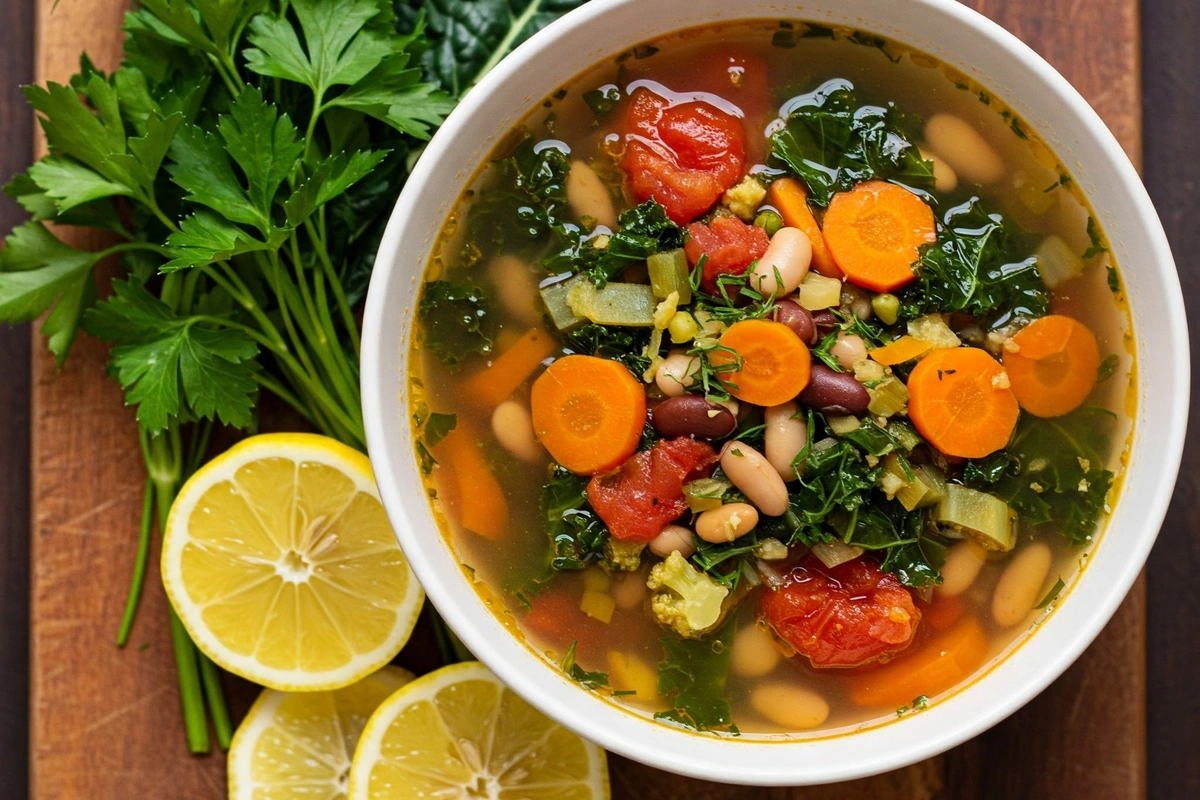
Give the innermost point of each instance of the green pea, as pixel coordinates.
(887, 307)
(769, 221)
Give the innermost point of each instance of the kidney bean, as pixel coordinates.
(825, 321)
(798, 318)
(692, 415)
(834, 392)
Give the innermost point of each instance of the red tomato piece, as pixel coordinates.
(843, 616)
(683, 155)
(731, 246)
(646, 493)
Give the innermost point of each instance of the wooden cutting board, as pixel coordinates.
(106, 722)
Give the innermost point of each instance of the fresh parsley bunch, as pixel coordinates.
(241, 163)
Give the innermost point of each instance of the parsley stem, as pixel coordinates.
(501, 50)
(339, 292)
(133, 599)
(279, 390)
(210, 678)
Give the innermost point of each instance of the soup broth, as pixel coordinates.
(947, 592)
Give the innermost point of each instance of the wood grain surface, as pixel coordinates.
(105, 723)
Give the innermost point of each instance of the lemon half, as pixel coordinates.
(298, 745)
(279, 559)
(459, 732)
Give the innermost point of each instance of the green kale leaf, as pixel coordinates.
(693, 674)
(456, 320)
(577, 534)
(589, 680)
(469, 37)
(1061, 477)
(831, 143)
(972, 268)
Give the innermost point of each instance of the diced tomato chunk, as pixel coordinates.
(646, 493)
(683, 155)
(731, 246)
(843, 616)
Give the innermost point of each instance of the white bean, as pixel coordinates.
(515, 286)
(848, 349)
(513, 427)
(630, 590)
(588, 195)
(792, 708)
(676, 373)
(786, 435)
(960, 145)
(753, 474)
(754, 654)
(724, 524)
(963, 563)
(1018, 588)
(858, 301)
(789, 254)
(945, 179)
(672, 539)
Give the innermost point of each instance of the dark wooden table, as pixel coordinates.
(1029, 755)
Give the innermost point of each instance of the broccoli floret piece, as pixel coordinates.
(685, 600)
(623, 556)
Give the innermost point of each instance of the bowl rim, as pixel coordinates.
(693, 755)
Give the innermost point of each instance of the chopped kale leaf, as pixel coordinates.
(577, 535)
(692, 674)
(457, 322)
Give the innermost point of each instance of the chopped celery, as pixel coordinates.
(833, 553)
(889, 397)
(554, 295)
(669, 273)
(933, 330)
(904, 433)
(935, 483)
(705, 493)
(1057, 262)
(818, 292)
(627, 304)
(984, 517)
(843, 425)
(597, 605)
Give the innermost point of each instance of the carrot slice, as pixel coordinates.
(1052, 365)
(875, 232)
(481, 504)
(960, 401)
(589, 413)
(906, 348)
(789, 196)
(775, 367)
(937, 666)
(492, 385)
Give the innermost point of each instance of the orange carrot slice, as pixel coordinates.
(906, 348)
(789, 196)
(589, 413)
(937, 666)
(492, 385)
(481, 504)
(1052, 364)
(961, 402)
(875, 232)
(775, 366)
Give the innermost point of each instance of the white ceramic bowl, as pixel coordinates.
(996, 59)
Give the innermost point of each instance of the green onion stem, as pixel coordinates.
(210, 676)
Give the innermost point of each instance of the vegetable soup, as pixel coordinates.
(771, 378)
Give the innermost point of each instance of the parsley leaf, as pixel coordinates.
(172, 366)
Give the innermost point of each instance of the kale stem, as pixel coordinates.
(501, 50)
(210, 677)
(133, 599)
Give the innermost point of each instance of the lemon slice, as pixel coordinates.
(297, 745)
(280, 561)
(459, 732)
